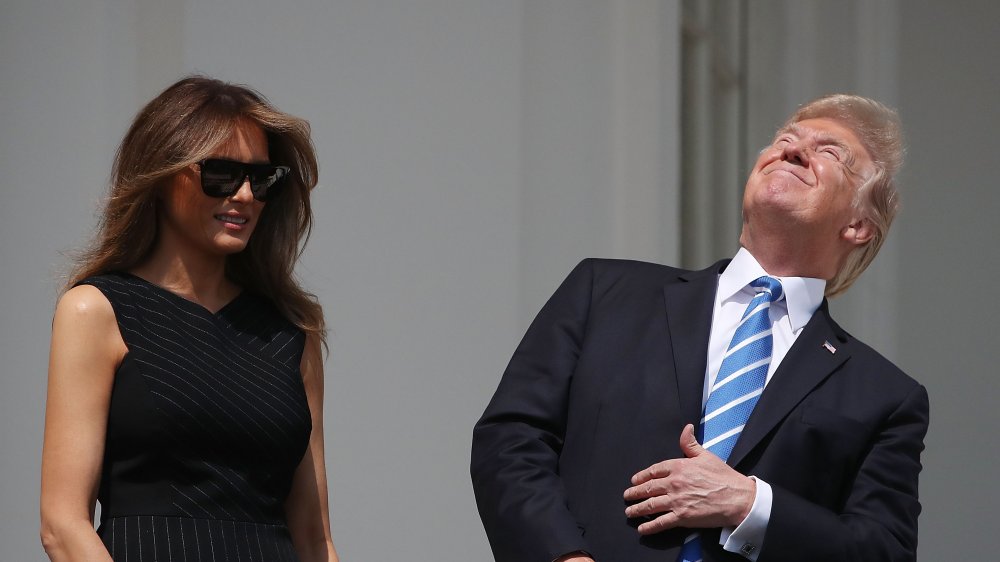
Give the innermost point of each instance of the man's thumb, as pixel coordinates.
(689, 443)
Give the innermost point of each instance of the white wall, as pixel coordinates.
(66, 95)
(950, 264)
(928, 302)
(471, 152)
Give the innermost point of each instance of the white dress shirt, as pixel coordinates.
(801, 297)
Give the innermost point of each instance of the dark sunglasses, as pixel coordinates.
(223, 178)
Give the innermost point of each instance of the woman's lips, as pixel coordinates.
(232, 222)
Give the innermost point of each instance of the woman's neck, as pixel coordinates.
(193, 275)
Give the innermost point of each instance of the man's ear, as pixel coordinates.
(859, 232)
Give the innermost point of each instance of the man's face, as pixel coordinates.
(807, 180)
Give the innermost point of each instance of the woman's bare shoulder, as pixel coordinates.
(85, 324)
(86, 304)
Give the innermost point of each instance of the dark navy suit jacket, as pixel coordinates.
(612, 369)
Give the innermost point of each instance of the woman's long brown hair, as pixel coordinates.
(181, 126)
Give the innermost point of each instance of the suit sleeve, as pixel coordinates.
(517, 442)
(879, 519)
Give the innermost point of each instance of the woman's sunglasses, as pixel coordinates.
(223, 178)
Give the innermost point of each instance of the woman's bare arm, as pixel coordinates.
(307, 506)
(86, 349)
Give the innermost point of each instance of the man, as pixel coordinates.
(591, 448)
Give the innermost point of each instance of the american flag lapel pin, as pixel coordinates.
(829, 347)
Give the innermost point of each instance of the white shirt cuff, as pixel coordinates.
(748, 537)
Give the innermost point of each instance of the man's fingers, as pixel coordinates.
(658, 470)
(651, 506)
(666, 521)
(689, 445)
(652, 488)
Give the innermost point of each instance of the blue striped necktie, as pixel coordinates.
(738, 385)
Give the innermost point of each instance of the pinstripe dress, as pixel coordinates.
(207, 423)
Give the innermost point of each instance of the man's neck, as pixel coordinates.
(788, 258)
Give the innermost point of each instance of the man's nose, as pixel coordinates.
(795, 152)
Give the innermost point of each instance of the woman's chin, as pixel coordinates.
(228, 244)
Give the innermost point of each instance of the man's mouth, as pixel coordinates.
(790, 172)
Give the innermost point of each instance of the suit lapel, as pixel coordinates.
(689, 319)
(807, 363)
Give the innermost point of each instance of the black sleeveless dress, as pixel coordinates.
(207, 423)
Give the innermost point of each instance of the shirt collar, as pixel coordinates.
(803, 295)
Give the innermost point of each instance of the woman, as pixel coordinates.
(185, 376)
